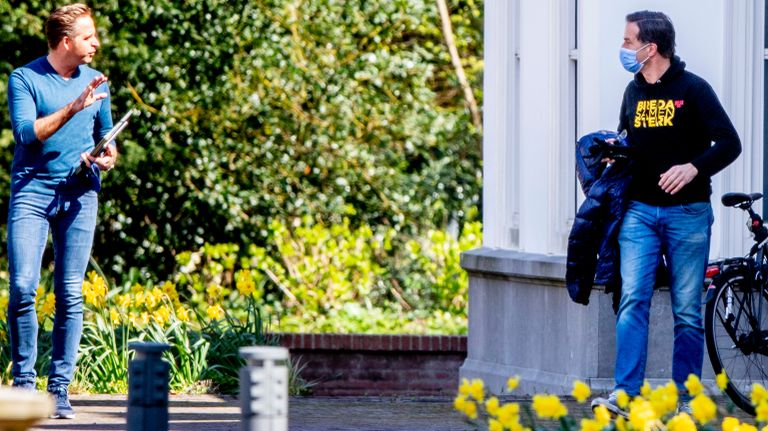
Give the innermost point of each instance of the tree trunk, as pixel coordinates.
(469, 96)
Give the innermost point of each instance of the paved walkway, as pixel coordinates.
(213, 413)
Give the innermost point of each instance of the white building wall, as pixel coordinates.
(544, 86)
(529, 188)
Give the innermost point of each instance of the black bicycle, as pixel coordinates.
(736, 317)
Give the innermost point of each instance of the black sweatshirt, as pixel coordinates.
(673, 122)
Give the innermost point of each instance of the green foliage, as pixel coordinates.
(263, 110)
(339, 278)
(226, 337)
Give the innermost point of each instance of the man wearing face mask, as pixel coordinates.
(681, 137)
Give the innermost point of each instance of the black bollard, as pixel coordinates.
(264, 389)
(148, 377)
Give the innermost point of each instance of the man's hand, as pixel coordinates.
(105, 162)
(45, 127)
(87, 97)
(677, 177)
(609, 160)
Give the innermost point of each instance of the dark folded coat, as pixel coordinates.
(593, 248)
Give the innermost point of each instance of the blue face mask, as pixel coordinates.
(628, 59)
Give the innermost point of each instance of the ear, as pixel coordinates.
(653, 49)
(66, 42)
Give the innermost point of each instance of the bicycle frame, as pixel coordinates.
(750, 268)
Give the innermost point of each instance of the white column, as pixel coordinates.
(743, 99)
(545, 134)
(500, 150)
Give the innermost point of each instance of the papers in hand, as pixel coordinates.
(109, 137)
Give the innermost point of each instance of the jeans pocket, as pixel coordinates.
(695, 208)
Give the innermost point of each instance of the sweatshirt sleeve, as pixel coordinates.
(21, 106)
(719, 129)
(623, 120)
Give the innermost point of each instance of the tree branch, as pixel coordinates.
(469, 96)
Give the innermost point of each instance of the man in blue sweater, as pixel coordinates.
(59, 109)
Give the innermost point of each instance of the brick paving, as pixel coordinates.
(215, 413)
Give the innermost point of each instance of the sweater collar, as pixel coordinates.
(676, 67)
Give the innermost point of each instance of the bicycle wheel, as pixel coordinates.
(736, 330)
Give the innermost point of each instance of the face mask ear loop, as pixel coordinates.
(642, 48)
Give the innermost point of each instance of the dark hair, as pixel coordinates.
(61, 22)
(657, 28)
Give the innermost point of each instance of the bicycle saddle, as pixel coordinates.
(741, 200)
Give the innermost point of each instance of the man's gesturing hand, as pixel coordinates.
(677, 177)
(47, 126)
(87, 97)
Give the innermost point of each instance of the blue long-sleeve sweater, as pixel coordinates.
(36, 90)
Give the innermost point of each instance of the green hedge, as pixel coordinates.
(271, 111)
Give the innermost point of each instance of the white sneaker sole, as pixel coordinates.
(612, 408)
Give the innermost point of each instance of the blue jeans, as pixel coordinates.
(71, 220)
(681, 233)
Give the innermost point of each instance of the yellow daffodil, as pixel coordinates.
(214, 291)
(681, 422)
(622, 399)
(722, 380)
(549, 407)
(3, 307)
(761, 411)
(46, 306)
(215, 312)
(472, 388)
(645, 390)
(704, 409)
(94, 290)
(664, 399)
(513, 383)
(468, 407)
(602, 415)
(509, 415)
(494, 425)
(492, 406)
(693, 384)
(136, 288)
(477, 390)
(153, 298)
(138, 299)
(182, 314)
(747, 427)
(169, 289)
(642, 415)
(114, 316)
(580, 391)
(621, 424)
(244, 282)
(758, 394)
(49, 305)
(124, 301)
(458, 402)
(162, 315)
(464, 387)
(590, 425)
(730, 424)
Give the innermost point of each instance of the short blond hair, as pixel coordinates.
(61, 22)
